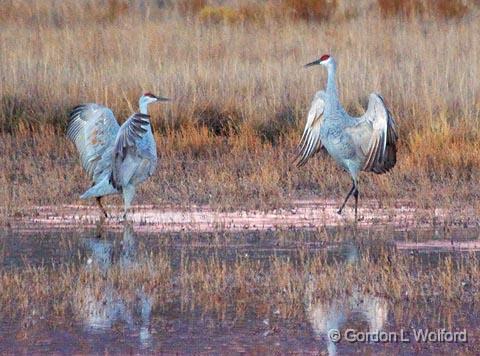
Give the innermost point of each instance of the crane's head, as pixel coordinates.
(324, 60)
(149, 98)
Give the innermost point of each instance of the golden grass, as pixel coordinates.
(240, 96)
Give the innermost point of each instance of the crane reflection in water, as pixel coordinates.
(101, 308)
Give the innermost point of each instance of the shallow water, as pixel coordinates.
(311, 214)
(105, 320)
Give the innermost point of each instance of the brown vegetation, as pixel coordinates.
(426, 8)
(311, 10)
(240, 97)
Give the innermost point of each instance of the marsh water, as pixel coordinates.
(117, 319)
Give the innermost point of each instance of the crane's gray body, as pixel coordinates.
(116, 158)
(336, 140)
(366, 143)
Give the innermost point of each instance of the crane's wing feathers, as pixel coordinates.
(376, 135)
(125, 165)
(93, 129)
(310, 142)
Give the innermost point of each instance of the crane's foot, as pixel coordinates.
(339, 211)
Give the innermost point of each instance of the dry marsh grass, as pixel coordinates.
(240, 96)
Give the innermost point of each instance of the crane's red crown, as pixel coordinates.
(324, 57)
(149, 95)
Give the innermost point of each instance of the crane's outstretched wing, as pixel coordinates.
(125, 164)
(310, 142)
(93, 128)
(376, 135)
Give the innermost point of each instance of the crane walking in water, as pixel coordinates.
(366, 143)
(115, 157)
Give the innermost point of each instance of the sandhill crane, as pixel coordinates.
(115, 157)
(366, 143)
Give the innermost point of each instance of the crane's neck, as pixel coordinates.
(143, 107)
(331, 84)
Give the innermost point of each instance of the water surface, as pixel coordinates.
(110, 317)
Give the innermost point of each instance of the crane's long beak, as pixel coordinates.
(313, 63)
(162, 98)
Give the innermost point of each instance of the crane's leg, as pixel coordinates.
(128, 194)
(99, 202)
(355, 195)
(346, 199)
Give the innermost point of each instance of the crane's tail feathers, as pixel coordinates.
(99, 190)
